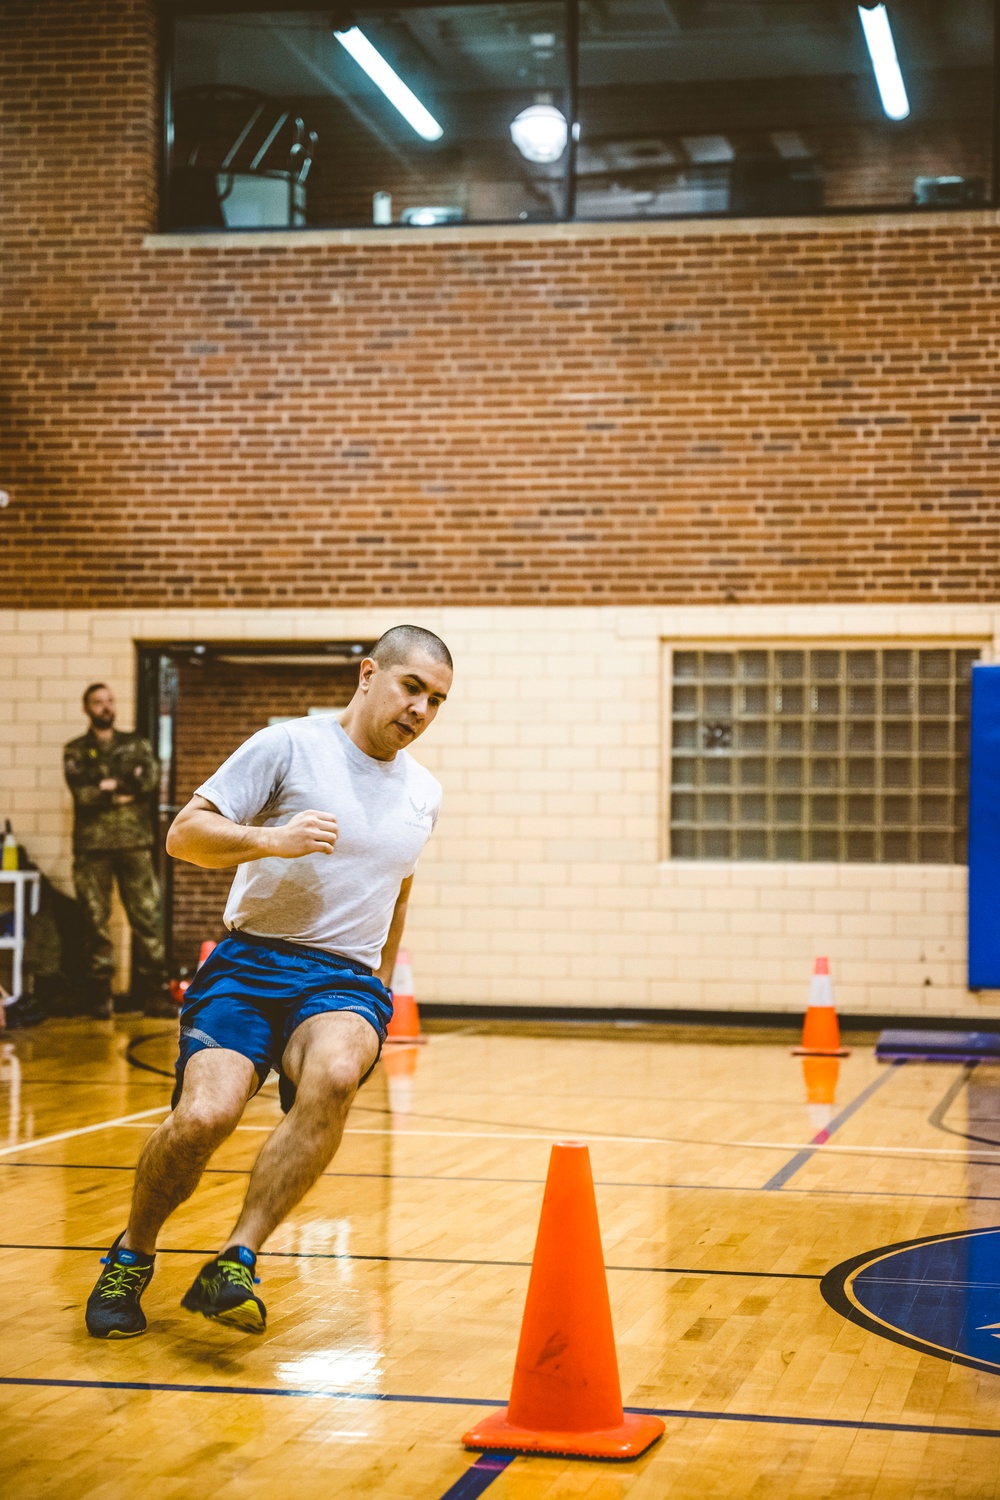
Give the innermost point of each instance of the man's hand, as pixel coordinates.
(202, 836)
(109, 784)
(122, 799)
(307, 833)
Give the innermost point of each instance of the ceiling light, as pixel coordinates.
(389, 81)
(882, 50)
(426, 217)
(540, 133)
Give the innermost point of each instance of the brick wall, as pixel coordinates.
(219, 706)
(727, 412)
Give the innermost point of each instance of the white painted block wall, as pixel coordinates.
(546, 882)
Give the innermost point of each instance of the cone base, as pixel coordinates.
(821, 1051)
(633, 1437)
(407, 1041)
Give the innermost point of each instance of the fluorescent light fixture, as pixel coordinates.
(388, 80)
(882, 50)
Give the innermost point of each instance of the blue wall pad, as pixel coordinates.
(984, 831)
(938, 1046)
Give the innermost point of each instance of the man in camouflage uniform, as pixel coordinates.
(111, 776)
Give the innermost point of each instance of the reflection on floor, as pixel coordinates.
(753, 1208)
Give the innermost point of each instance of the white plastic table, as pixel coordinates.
(20, 880)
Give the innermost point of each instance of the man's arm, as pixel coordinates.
(200, 835)
(86, 787)
(395, 934)
(142, 776)
(145, 776)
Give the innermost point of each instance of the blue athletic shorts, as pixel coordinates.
(252, 992)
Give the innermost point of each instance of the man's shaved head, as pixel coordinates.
(400, 644)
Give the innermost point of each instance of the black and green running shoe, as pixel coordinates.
(113, 1310)
(224, 1290)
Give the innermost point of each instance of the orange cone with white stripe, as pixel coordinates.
(405, 1023)
(821, 1030)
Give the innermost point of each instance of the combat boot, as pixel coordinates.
(98, 1002)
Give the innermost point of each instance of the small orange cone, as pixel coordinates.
(405, 1023)
(821, 1031)
(207, 947)
(566, 1396)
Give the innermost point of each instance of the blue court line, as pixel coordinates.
(819, 1140)
(665, 1187)
(674, 1412)
(477, 1479)
(438, 1260)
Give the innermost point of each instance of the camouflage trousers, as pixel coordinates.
(139, 889)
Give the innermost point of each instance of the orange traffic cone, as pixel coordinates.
(566, 1396)
(405, 1023)
(207, 947)
(820, 1076)
(821, 1032)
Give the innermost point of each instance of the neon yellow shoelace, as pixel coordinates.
(116, 1280)
(237, 1272)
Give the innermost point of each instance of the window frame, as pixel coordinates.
(669, 646)
(169, 10)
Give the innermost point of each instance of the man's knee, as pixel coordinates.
(203, 1123)
(328, 1080)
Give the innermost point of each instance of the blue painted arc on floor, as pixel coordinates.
(939, 1294)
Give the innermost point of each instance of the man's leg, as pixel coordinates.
(140, 893)
(92, 881)
(326, 1058)
(217, 1085)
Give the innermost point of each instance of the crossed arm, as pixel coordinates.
(200, 835)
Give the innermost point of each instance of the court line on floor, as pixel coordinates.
(438, 1260)
(594, 1140)
(937, 1115)
(479, 1476)
(819, 1140)
(397, 1398)
(652, 1140)
(666, 1187)
(69, 1135)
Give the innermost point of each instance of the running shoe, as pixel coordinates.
(113, 1310)
(224, 1290)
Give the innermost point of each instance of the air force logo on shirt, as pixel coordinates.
(423, 816)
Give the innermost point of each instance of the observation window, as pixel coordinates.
(546, 110)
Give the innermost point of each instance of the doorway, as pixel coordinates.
(197, 702)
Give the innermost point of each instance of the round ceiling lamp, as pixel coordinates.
(540, 133)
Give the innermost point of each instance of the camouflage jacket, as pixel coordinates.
(100, 823)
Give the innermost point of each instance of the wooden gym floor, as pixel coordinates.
(395, 1292)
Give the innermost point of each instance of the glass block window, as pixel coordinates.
(821, 754)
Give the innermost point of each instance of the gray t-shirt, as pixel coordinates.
(385, 811)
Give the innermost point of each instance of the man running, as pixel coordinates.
(325, 822)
